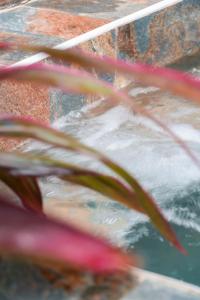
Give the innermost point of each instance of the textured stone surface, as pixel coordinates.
(23, 99)
(109, 9)
(60, 24)
(160, 38)
(163, 37)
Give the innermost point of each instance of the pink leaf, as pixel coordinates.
(28, 234)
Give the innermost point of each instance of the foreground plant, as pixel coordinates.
(126, 189)
(22, 171)
(34, 235)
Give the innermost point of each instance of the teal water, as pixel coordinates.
(162, 258)
(183, 210)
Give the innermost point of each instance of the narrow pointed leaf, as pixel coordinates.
(25, 167)
(77, 81)
(179, 83)
(80, 82)
(26, 188)
(62, 77)
(23, 128)
(28, 234)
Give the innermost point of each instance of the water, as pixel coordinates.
(153, 158)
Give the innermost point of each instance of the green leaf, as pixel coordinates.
(79, 82)
(17, 127)
(25, 167)
(179, 83)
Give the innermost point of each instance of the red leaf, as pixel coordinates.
(26, 188)
(28, 234)
(177, 82)
(15, 126)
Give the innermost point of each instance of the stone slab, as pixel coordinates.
(109, 9)
(106, 9)
(160, 37)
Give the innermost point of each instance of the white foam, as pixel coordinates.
(186, 132)
(139, 145)
(142, 148)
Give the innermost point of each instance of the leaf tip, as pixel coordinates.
(180, 248)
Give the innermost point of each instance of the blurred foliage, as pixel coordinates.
(28, 231)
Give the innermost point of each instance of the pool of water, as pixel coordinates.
(153, 158)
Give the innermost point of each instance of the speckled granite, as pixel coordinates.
(164, 37)
(109, 9)
(161, 38)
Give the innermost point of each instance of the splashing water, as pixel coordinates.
(153, 158)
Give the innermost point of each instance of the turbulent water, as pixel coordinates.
(153, 158)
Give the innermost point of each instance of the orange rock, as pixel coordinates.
(61, 24)
(23, 99)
